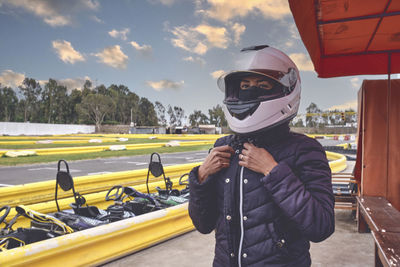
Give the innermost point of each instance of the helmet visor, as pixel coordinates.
(248, 87)
(288, 79)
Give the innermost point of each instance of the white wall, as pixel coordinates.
(22, 128)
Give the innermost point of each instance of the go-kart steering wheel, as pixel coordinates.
(119, 190)
(183, 181)
(7, 208)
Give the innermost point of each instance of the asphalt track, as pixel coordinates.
(17, 175)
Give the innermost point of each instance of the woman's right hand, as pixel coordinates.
(217, 159)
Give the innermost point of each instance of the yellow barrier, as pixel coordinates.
(89, 149)
(99, 136)
(44, 191)
(167, 136)
(56, 141)
(103, 243)
(338, 161)
(347, 145)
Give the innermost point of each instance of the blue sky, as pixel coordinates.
(166, 50)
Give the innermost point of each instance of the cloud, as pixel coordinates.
(188, 39)
(351, 104)
(120, 34)
(76, 83)
(164, 84)
(11, 79)
(66, 52)
(294, 33)
(69, 83)
(143, 49)
(199, 39)
(216, 36)
(97, 19)
(355, 82)
(289, 43)
(226, 10)
(55, 12)
(113, 56)
(216, 74)
(197, 60)
(238, 29)
(302, 61)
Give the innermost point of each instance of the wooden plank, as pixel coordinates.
(387, 250)
(379, 214)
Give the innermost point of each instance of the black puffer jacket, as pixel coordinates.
(267, 220)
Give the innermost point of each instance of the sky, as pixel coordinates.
(171, 51)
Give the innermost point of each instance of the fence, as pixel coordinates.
(26, 128)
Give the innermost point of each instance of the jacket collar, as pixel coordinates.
(264, 138)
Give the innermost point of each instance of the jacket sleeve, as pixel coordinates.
(305, 195)
(203, 198)
(202, 202)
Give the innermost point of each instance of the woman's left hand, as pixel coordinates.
(256, 159)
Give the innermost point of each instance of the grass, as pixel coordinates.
(104, 154)
(130, 141)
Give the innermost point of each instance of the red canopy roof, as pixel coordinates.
(350, 37)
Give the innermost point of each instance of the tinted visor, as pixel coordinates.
(248, 87)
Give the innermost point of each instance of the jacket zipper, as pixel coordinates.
(241, 218)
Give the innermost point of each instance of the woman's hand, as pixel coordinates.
(256, 159)
(217, 159)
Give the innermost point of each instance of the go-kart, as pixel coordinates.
(10, 238)
(128, 202)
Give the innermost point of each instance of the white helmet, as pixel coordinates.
(261, 109)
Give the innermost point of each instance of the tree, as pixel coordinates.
(48, 100)
(312, 117)
(147, 114)
(297, 123)
(30, 90)
(54, 104)
(95, 107)
(133, 105)
(160, 110)
(172, 117)
(74, 99)
(101, 89)
(87, 88)
(179, 114)
(61, 106)
(8, 104)
(217, 116)
(197, 118)
(351, 115)
(119, 94)
(334, 117)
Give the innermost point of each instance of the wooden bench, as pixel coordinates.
(345, 190)
(377, 214)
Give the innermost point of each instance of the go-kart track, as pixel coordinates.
(110, 211)
(41, 172)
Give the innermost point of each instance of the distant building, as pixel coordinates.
(208, 129)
